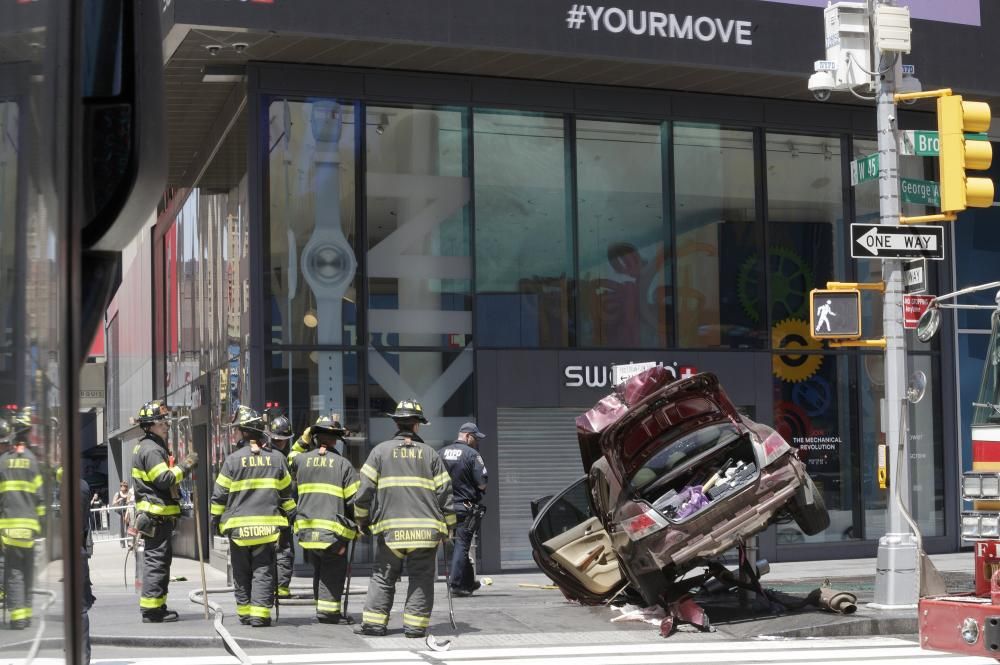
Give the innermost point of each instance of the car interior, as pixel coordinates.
(575, 539)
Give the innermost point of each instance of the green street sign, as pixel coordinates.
(864, 169)
(923, 143)
(924, 192)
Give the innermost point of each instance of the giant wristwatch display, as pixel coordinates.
(328, 262)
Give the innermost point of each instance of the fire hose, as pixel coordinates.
(229, 642)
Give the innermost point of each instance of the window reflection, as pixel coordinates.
(805, 201)
(418, 221)
(524, 258)
(310, 260)
(815, 416)
(624, 271)
(440, 381)
(720, 295)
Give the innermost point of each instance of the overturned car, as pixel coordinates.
(676, 478)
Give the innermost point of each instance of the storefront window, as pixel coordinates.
(419, 229)
(720, 257)
(805, 204)
(524, 248)
(440, 380)
(310, 259)
(813, 412)
(624, 261)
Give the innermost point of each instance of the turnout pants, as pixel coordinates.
(18, 577)
(253, 579)
(157, 556)
(286, 562)
(329, 572)
(382, 586)
(461, 575)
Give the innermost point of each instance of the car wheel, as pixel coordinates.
(809, 509)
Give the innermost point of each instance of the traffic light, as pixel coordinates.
(958, 154)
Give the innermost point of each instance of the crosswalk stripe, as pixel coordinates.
(667, 656)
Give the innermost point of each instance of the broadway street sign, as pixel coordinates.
(876, 241)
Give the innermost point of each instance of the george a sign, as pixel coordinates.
(914, 307)
(915, 276)
(864, 169)
(879, 241)
(923, 192)
(835, 314)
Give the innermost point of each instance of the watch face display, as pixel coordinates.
(329, 266)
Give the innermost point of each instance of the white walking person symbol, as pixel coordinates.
(824, 312)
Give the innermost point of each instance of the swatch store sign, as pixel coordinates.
(659, 25)
(606, 376)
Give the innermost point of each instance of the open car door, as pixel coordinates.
(570, 545)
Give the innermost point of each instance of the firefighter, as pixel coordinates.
(405, 503)
(279, 431)
(23, 500)
(251, 502)
(324, 522)
(468, 482)
(157, 507)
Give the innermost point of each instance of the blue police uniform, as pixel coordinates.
(468, 474)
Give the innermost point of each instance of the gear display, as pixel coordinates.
(791, 280)
(793, 335)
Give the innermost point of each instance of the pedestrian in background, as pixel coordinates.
(122, 503)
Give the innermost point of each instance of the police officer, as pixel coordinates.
(325, 515)
(251, 502)
(405, 502)
(279, 431)
(157, 506)
(23, 500)
(468, 481)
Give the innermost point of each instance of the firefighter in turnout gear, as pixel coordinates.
(251, 502)
(324, 522)
(279, 431)
(157, 507)
(405, 502)
(22, 505)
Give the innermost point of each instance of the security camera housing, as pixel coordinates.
(822, 84)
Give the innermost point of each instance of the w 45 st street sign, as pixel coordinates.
(879, 241)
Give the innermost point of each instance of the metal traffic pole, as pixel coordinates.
(896, 581)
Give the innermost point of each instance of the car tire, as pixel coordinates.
(811, 516)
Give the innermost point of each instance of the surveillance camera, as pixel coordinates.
(822, 84)
(239, 47)
(213, 49)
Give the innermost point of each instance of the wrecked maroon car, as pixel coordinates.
(677, 477)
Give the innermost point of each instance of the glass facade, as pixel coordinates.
(397, 241)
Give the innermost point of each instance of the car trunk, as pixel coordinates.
(694, 472)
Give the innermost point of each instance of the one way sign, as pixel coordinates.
(877, 241)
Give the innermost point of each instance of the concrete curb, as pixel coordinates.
(164, 641)
(853, 627)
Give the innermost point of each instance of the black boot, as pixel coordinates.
(331, 617)
(259, 622)
(415, 632)
(370, 629)
(160, 616)
(20, 624)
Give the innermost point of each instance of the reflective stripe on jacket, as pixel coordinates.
(154, 480)
(327, 485)
(411, 490)
(21, 495)
(253, 495)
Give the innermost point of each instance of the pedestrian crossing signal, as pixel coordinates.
(835, 314)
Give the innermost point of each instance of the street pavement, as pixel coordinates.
(517, 612)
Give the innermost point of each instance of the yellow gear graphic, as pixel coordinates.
(793, 334)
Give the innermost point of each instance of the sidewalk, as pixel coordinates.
(506, 613)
